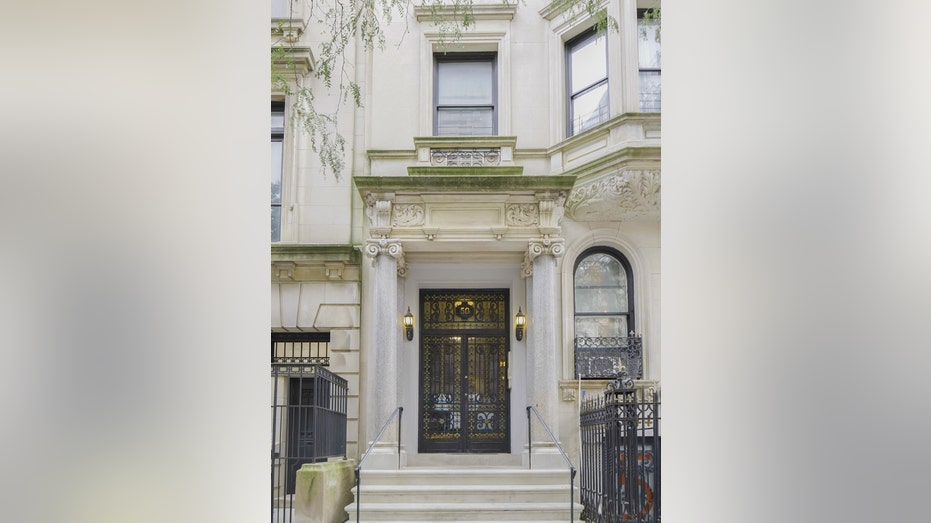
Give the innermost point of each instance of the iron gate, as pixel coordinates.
(308, 414)
(620, 472)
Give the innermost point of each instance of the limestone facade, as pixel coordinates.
(516, 209)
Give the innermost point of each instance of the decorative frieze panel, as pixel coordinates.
(411, 215)
(465, 157)
(621, 196)
(522, 215)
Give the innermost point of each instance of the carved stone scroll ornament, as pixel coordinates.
(407, 215)
(621, 196)
(465, 157)
(522, 214)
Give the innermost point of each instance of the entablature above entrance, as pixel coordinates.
(461, 210)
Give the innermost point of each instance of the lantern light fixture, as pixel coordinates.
(519, 321)
(409, 325)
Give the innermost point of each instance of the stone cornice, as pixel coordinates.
(299, 263)
(470, 171)
(495, 11)
(559, 7)
(462, 184)
(465, 141)
(298, 60)
(322, 253)
(616, 158)
(605, 128)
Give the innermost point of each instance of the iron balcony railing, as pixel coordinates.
(604, 358)
(620, 462)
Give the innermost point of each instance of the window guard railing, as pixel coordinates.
(605, 357)
(572, 469)
(358, 470)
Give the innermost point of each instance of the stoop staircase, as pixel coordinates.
(476, 493)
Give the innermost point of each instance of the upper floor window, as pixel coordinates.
(650, 63)
(465, 94)
(604, 316)
(587, 79)
(277, 148)
(281, 8)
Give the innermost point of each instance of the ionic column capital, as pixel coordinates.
(376, 247)
(553, 246)
(546, 245)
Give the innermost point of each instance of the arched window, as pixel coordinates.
(604, 316)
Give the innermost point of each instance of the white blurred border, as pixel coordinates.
(134, 261)
(796, 255)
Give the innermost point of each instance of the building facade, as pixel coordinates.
(511, 175)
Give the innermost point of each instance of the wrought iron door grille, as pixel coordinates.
(464, 400)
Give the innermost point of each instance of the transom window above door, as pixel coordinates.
(465, 94)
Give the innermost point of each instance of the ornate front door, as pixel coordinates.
(464, 396)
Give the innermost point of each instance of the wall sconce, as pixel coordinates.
(409, 325)
(519, 321)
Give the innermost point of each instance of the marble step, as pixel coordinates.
(420, 511)
(492, 492)
(465, 476)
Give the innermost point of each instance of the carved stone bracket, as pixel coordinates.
(378, 211)
(543, 246)
(551, 211)
(390, 247)
(334, 271)
(621, 196)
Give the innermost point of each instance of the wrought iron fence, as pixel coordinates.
(620, 472)
(605, 357)
(308, 425)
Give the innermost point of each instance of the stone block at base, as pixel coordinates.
(322, 492)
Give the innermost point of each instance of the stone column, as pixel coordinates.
(382, 377)
(543, 348)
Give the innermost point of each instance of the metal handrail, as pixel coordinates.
(399, 411)
(561, 451)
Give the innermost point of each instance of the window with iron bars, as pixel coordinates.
(308, 348)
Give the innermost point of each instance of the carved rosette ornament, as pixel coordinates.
(621, 196)
(547, 245)
(389, 247)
